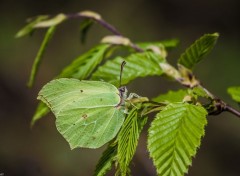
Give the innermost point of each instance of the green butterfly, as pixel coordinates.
(88, 113)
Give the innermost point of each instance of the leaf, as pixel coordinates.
(106, 160)
(30, 26)
(171, 96)
(197, 50)
(39, 56)
(235, 93)
(41, 111)
(84, 28)
(160, 47)
(88, 113)
(80, 68)
(187, 77)
(83, 66)
(199, 91)
(168, 44)
(138, 65)
(51, 22)
(90, 14)
(174, 137)
(170, 71)
(116, 40)
(128, 139)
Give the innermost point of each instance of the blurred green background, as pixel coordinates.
(42, 151)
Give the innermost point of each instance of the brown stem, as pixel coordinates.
(232, 110)
(219, 105)
(106, 25)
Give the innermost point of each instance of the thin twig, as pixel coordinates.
(232, 110)
(220, 105)
(106, 25)
(224, 106)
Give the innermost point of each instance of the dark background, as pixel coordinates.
(42, 151)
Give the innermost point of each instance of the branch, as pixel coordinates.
(219, 105)
(96, 17)
(232, 110)
(188, 80)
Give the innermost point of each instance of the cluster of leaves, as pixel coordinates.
(180, 116)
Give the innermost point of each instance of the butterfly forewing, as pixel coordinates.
(87, 112)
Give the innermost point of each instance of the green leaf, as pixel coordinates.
(41, 111)
(174, 137)
(80, 68)
(88, 113)
(83, 66)
(128, 139)
(138, 65)
(84, 28)
(160, 47)
(105, 162)
(30, 26)
(171, 96)
(235, 93)
(39, 56)
(198, 50)
(51, 22)
(199, 91)
(168, 44)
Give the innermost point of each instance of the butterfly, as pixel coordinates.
(88, 113)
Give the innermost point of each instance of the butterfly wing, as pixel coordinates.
(87, 112)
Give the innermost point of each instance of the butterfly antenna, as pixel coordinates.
(121, 72)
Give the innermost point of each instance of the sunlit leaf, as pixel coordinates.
(198, 50)
(200, 92)
(128, 139)
(235, 93)
(168, 44)
(171, 96)
(137, 65)
(174, 137)
(83, 66)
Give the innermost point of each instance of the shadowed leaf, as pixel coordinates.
(198, 50)
(39, 56)
(29, 28)
(106, 160)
